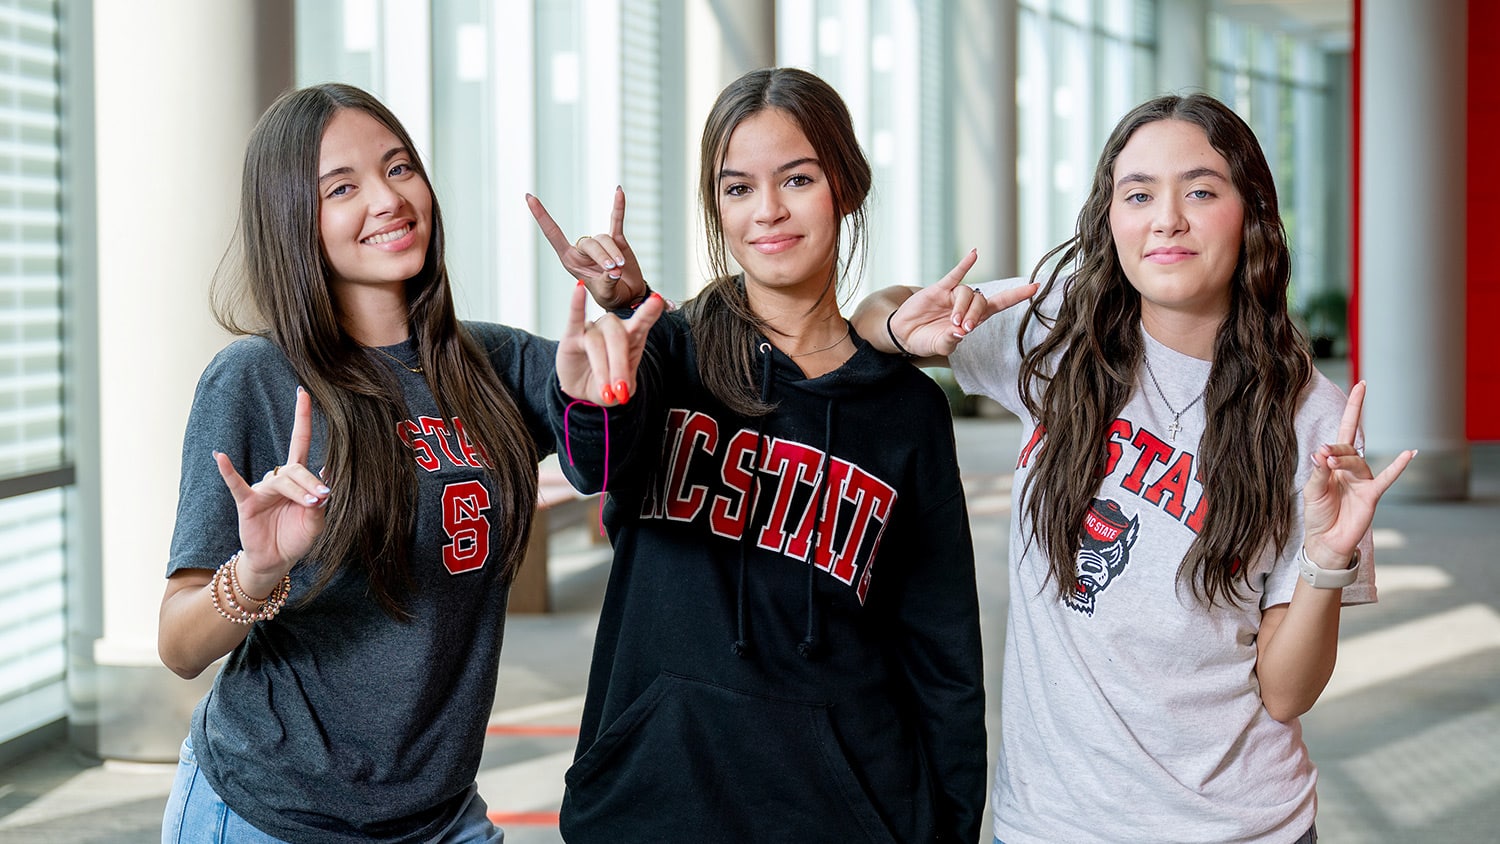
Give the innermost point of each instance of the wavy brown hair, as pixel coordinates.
(1077, 379)
(279, 288)
(725, 328)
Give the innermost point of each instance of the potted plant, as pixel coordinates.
(1325, 314)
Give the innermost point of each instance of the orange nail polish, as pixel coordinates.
(608, 395)
(622, 392)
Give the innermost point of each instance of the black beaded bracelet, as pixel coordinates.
(897, 343)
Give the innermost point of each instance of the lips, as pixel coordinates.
(1169, 255)
(772, 244)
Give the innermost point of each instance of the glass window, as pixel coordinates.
(33, 456)
(1278, 83)
(885, 57)
(1082, 64)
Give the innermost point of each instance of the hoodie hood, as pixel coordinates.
(867, 367)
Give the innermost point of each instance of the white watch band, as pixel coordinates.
(1321, 578)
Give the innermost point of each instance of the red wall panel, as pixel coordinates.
(1482, 391)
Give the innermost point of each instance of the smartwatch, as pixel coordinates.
(1321, 578)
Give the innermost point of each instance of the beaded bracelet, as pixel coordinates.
(226, 582)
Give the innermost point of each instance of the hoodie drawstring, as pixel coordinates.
(741, 645)
(809, 646)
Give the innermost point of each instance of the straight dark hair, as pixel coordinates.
(725, 328)
(1076, 380)
(279, 287)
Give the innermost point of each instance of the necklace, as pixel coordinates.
(404, 365)
(1176, 425)
(824, 348)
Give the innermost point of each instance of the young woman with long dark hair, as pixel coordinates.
(789, 647)
(1192, 504)
(358, 588)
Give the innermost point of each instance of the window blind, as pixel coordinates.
(33, 458)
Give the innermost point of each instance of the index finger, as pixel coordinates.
(961, 269)
(1013, 295)
(301, 430)
(550, 229)
(617, 215)
(1349, 425)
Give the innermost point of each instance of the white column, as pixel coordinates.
(178, 86)
(983, 68)
(1412, 240)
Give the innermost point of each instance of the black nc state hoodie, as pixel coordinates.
(789, 646)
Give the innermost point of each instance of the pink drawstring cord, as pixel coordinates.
(568, 447)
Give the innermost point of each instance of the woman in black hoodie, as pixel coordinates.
(789, 647)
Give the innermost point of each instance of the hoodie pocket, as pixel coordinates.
(693, 761)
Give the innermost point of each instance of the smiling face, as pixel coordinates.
(374, 209)
(1178, 223)
(776, 204)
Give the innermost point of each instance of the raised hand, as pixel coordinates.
(281, 515)
(933, 321)
(604, 262)
(597, 361)
(1340, 495)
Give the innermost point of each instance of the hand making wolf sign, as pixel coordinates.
(603, 262)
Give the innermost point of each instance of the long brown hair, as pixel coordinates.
(724, 326)
(280, 288)
(1076, 380)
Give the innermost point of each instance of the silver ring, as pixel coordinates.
(1359, 450)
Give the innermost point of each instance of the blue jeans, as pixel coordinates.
(1309, 837)
(196, 814)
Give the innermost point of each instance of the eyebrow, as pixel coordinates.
(790, 165)
(1186, 176)
(344, 171)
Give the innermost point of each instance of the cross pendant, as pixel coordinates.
(1173, 428)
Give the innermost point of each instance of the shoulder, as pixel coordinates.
(248, 360)
(505, 343)
(493, 335)
(1321, 407)
(919, 385)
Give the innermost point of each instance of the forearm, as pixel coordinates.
(870, 316)
(1298, 651)
(191, 634)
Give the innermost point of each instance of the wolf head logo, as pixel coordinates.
(1103, 552)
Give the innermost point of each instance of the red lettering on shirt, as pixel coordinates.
(792, 465)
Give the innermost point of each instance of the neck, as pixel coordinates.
(1189, 334)
(797, 321)
(374, 315)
